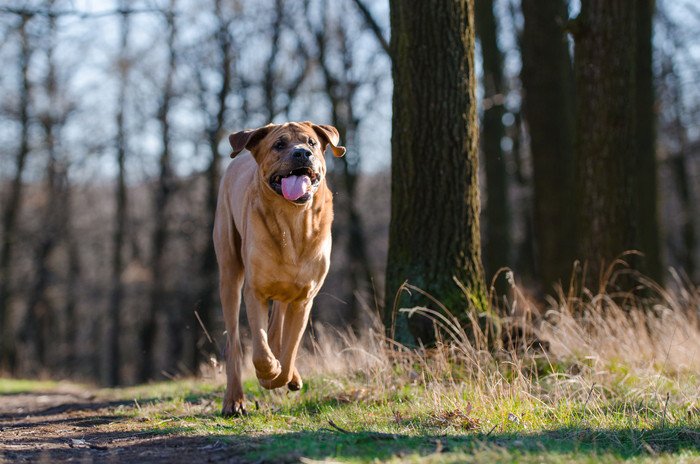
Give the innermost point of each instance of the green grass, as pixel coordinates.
(17, 386)
(412, 422)
(620, 384)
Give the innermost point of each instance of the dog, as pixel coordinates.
(272, 236)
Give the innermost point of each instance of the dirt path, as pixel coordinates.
(74, 426)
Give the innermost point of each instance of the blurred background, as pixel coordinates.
(114, 120)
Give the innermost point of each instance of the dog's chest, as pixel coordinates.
(292, 268)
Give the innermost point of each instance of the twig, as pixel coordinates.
(372, 435)
(335, 426)
(374, 26)
(492, 429)
(53, 13)
(668, 396)
(201, 324)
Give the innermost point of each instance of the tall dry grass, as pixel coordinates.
(636, 349)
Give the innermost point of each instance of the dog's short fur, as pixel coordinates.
(273, 248)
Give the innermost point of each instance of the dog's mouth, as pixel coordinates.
(297, 185)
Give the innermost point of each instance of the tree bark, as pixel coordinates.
(12, 208)
(648, 241)
(497, 249)
(434, 229)
(606, 183)
(548, 105)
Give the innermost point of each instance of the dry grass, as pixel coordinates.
(618, 381)
(636, 352)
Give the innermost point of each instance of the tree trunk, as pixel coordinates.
(647, 186)
(215, 132)
(497, 249)
(12, 208)
(39, 318)
(434, 229)
(112, 360)
(680, 166)
(606, 183)
(269, 81)
(548, 105)
(340, 91)
(159, 238)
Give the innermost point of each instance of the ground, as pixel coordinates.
(179, 422)
(593, 382)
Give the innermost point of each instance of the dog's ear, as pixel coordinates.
(329, 135)
(247, 139)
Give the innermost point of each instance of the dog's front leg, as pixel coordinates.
(275, 335)
(295, 319)
(267, 367)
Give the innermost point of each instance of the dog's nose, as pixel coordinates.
(301, 153)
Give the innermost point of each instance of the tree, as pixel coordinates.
(497, 249)
(341, 88)
(216, 118)
(11, 211)
(606, 181)
(548, 106)
(41, 316)
(161, 197)
(434, 230)
(648, 241)
(112, 360)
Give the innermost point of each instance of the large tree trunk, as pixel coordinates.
(12, 208)
(549, 112)
(159, 238)
(606, 183)
(112, 360)
(434, 230)
(647, 186)
(497, 249)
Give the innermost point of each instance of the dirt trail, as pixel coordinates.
(68, 425)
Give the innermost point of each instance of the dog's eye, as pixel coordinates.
(312, 142)
(279, 144)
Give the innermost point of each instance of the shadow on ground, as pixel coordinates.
(90, 431)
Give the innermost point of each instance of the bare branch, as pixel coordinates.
(374, 26)
(48, 12)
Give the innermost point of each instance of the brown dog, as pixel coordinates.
(272, 236)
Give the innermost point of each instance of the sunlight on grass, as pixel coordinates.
(15, 386)
(616, 384)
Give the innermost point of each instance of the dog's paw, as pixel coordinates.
(296, 383)
(267, 369)
(271, 384)
(233, 409)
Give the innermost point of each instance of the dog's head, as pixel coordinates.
(290, 156)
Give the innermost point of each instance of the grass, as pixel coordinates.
(344, 421)
(619, 382)
(17, 386)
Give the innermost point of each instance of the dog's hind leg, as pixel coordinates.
(231, 304)
(227, 243)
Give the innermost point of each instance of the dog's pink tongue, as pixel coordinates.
(294, 187)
